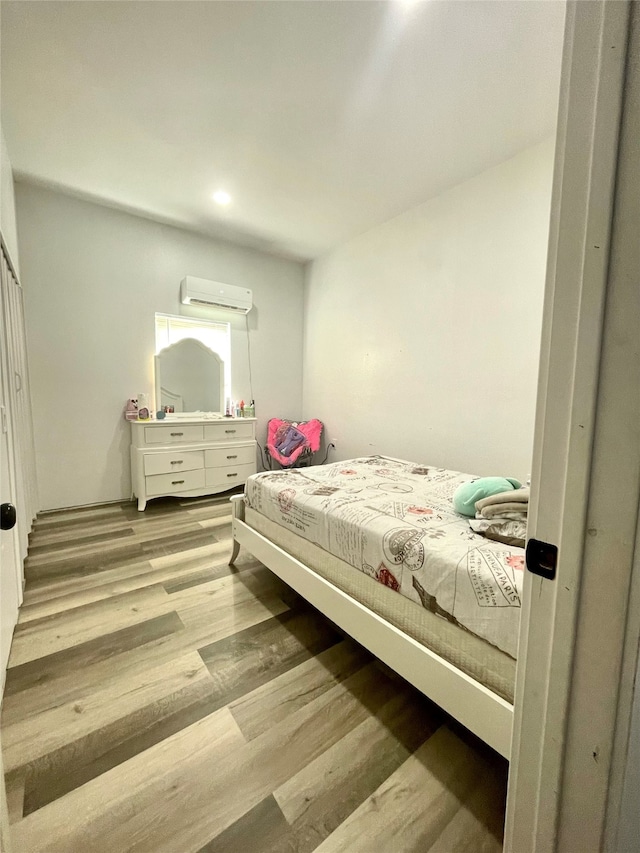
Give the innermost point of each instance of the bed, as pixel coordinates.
(374, 544)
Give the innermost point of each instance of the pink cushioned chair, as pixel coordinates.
(292, 443)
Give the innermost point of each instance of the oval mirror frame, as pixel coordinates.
(182, 392)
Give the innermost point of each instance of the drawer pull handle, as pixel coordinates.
(233, 457)
(233, 475)
(177, 433)
(177, 461)
(176, 482)
(229, 431)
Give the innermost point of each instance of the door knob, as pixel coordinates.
(7, 516)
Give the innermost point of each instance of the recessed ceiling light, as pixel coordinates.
(221, 197)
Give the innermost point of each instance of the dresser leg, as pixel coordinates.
(236, 551)
(141, 504)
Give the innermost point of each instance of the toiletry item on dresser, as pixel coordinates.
(241, 408)
(144, 412)
(131, 410)
(250, 410)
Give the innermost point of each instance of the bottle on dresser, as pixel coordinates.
(144, 412)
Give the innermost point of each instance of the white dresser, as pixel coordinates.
(188, 457)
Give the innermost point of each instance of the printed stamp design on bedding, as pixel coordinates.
(285, 499)
(322, 490)
(386, 472)
(383, 575)
(516, 561)
(403, 545)
(386, 577)
(413, 509)
(280, 476)
(495, 588)
(302, 521)
(377, 460)
(368, 570)
(415, 514)
(393, 488)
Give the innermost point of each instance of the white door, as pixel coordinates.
(10, 558)
(10, 592)
(579, 634)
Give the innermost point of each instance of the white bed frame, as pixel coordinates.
(481, 710)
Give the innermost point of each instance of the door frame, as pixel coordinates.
(579, 637)
(577, 644)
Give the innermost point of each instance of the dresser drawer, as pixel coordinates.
(176, 433)
(229, 476)
(228, 431)
(169, 484)
(224, 456)
(173, 463)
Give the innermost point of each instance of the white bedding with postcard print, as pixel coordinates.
(395, 521)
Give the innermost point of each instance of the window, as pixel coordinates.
(216, 336)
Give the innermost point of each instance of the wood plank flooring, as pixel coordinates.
(159, 700)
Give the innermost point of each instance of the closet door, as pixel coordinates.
(10, 563)
(15, 374)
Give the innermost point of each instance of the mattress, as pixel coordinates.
(394, 521)
(477, 658)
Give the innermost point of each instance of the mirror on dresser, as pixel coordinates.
(189, 378)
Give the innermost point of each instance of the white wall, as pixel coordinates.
(422, 335)
(7, 205)
(93, 279)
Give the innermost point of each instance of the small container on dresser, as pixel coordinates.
(188, 457)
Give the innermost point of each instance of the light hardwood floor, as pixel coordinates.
(159, 700)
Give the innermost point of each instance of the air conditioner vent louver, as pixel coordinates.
(216, 305)
(213, 294)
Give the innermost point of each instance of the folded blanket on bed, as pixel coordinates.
(511, 496)
(508, 531)
(505, 510)
(503, 517)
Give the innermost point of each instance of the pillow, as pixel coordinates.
(466, 495)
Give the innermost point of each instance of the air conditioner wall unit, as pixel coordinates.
(214, 294)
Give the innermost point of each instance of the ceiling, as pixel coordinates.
(320, 119)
